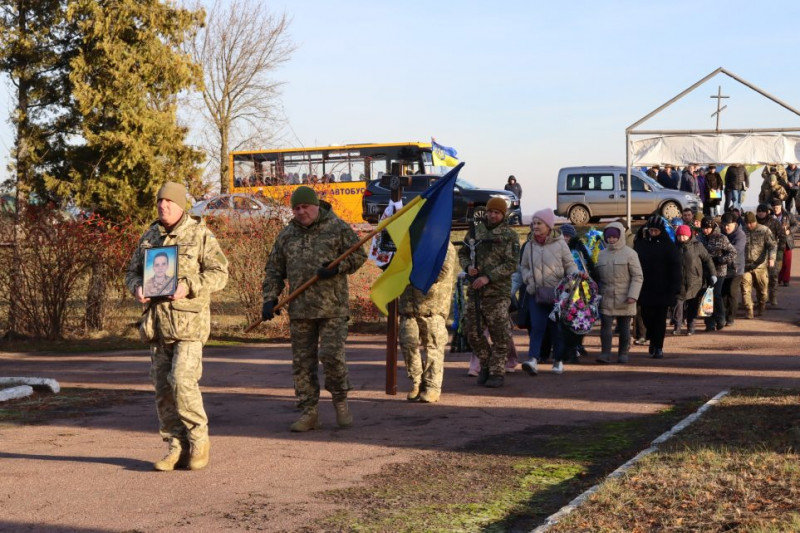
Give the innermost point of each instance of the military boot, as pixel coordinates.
(413, 394)
(307, 421)
(177, 457)
(199, 454)
(761, 308)
(748, 312)
(430, 395)
(343, 417)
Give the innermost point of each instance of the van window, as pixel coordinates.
(636, 184)
(590, 182)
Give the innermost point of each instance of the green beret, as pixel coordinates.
(304, 195)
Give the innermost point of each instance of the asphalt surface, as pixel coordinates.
(94, 472)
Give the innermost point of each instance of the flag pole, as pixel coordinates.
(295, 293)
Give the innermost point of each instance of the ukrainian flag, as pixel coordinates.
(443, 156)
(420, 231)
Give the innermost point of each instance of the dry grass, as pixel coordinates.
(736, 469)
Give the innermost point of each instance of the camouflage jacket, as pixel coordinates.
(760, 247)
(297, 254)
(495, 257)
(202, 267)
(437, 302)
(778, 232)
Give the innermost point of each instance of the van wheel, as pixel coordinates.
(579, 215)
(670, 210)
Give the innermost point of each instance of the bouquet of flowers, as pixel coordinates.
(578, 304)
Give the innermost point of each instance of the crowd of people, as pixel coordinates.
(644, 282)
(720, 194)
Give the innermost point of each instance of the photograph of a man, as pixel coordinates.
(160, 271)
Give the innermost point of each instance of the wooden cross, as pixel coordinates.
(719, 98)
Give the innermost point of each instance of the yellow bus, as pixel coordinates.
(339, 174)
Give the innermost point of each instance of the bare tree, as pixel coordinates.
(240, 48)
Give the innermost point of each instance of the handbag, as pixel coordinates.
(706, 303)
(545, 295)
(715, 194)
(523, 318)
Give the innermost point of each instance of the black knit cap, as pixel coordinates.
(707, 222)
(655, 221)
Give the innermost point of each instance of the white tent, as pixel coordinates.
(753, 146)
(749, 148)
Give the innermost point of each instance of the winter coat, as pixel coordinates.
(545, 265)
(582, 257)
(619, 275)
(202, 267)
(720, 249)
(737, 178)
(778, 233)
(688, 182)
(738, 240)
(495, 257)
(516, 188)
(661, 268)
(696, 266)
(789, 222)
(297, 254)
(760, 248)
(413, 302)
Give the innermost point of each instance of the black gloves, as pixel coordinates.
(267, 310)
(327, 273)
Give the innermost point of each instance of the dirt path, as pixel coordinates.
(94, 473)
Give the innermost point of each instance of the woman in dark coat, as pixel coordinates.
(697, 267)
(661, 267)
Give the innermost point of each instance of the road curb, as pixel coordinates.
(554, 518)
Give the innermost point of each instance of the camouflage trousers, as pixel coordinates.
(773, 278)
(493, 315)
(428, 333)
(760, 279)
(318, 341)
(176, 369)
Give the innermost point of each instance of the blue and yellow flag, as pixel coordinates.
(443, 156)
(420, 231)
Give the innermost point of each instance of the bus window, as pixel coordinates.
(338, 173)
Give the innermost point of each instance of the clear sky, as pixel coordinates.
(527, 87)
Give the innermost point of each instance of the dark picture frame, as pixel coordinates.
(160, 276)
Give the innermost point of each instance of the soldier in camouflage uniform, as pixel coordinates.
(760, 251)
(423, 320)
(765, 217)
(319, 315)
(177, 326)
(489, 293)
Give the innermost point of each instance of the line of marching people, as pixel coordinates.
(693, 272)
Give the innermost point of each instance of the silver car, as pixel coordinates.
(239, 205)
(586, 194)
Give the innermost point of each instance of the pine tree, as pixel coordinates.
(126, 76)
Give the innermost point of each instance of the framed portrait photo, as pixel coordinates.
(160, 271)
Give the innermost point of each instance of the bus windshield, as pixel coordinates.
(339, 174)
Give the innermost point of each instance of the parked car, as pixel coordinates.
(240, 205)
(585, 194)
(469, 201)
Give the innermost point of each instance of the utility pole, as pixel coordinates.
(395, 181)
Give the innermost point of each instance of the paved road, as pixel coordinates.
(94, 473)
